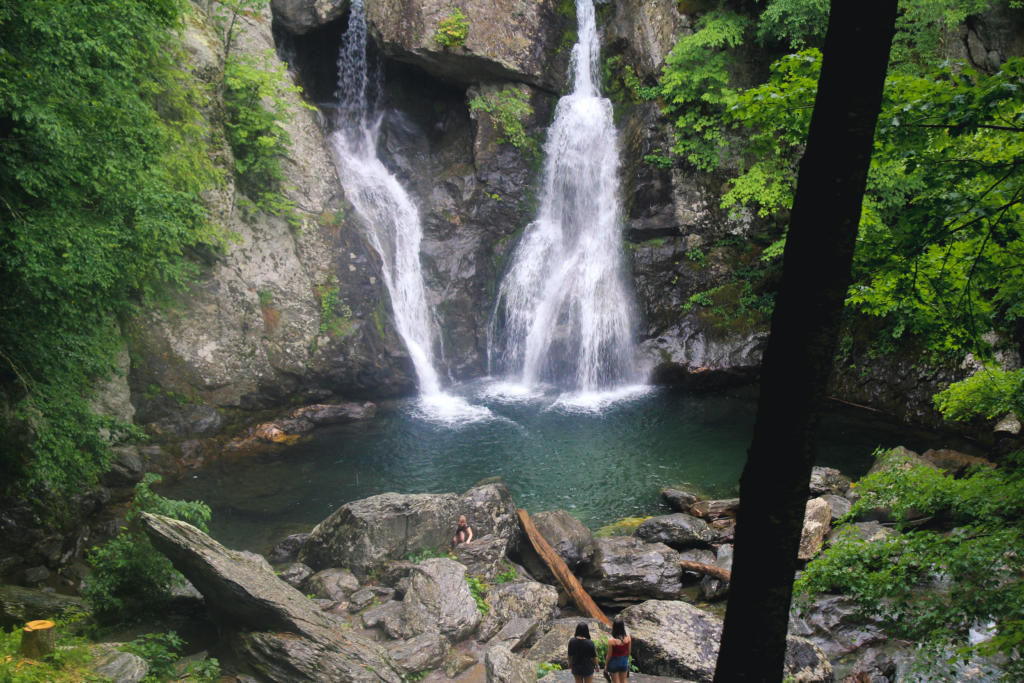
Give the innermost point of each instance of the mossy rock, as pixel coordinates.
(624, 527)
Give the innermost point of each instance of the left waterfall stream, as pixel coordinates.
(391, 220)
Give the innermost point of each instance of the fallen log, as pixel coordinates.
(709, 569)
(561, 570)
(38, 639)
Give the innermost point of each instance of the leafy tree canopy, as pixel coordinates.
(104, 157)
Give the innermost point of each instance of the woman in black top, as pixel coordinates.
(582, 654)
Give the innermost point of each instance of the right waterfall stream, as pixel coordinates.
(564, 316)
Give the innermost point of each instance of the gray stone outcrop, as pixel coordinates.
(505, 667)
(626, 570)
(335, 584)
(672, 638)
(817, 523)
(679, 531)
(277, 630)
(419, 653)
(437, 600)
(523, 600)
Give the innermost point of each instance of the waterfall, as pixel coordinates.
(564, 314)
(390, 216)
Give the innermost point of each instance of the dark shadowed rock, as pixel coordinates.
(332, 584)
(672, 638)
(287, 549)
(552, 646)
(679, 500)
(840, 505)
(712, 588)
(701, 555)
(126, 469)
(508, 601)
(953, 462)
(379, 614)
(626, 570)
(19, 605)
(505, 667)
(437, 599)
(423, 652)
(518, 633)
(833, 623)
(294, 573)
(276, 629)
(677, 531)
(573, 542)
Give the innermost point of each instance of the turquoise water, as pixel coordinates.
(600, 466)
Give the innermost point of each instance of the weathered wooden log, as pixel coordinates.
(38, 639)
(709, 569)
(561, 570)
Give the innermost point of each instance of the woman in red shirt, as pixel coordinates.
(619, 648)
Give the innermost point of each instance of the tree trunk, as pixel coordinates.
(561, 570)
(38, 639)
(805, 323)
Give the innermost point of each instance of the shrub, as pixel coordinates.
(452, 30)
(129, 575)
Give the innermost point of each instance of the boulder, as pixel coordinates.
(287, 549)
(377, 615)
(701, 555)
(833, 623)
(506, 39)
(364, 534)
(828, 480)
(627, 570)
(517, 633)
(716, 509)
(126, 469)
(649, 30)
(899, 458)
(570, 538)
(437, 599)
(484, 557)
(369, 596)
(817, 523)
(953, 462)
(505, 667)
(866, 531)
(294, 573)
(840, 505)
(113, 664)
(281, 633)
(332, 584)
(553, 646)
(490, 510)
(712, 588)
(672, 638)
(525, 599)
(19, 605)
(420, 653)
(678, 531)
(679, 500)
(301, 16)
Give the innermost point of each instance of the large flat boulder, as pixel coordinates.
(672, 638)
(626, 570)
(279, 631)
(569, 537)
(364, 534)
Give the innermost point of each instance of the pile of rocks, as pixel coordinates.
(356, 600)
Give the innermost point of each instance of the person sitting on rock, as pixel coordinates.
(463, 532)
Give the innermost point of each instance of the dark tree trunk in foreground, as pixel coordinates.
(798, 360)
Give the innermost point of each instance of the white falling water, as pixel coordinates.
(564, 314)
(390, 216)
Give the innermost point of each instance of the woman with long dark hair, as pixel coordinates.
(582, 654)
(619, 647)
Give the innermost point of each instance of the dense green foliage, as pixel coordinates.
(453, 29)
(510, 108)
(160, 650)
(990, 393)
(68, 664)
(103, 159)
(129, 575)
(933, 583)
(940, 254)
(106, 142)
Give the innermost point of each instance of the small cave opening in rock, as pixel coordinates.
(433, 104)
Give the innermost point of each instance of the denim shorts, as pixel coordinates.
(617, 664)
